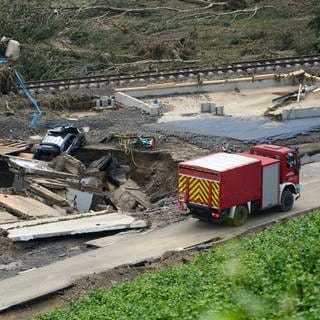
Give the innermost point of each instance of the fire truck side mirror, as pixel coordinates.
(290, 160)
(293, 161)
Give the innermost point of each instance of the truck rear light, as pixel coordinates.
(182, 206)
(216, 215)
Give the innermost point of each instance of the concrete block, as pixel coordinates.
(205, 107)
(208, 107)
(220, 110)
(129, 101)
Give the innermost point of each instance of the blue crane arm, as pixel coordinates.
(36, 116)
(27, 93)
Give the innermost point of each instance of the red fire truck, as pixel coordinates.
(228, 187)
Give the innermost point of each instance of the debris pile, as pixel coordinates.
(289, 104)
(64, 196)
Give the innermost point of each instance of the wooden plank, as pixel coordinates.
(50, 196)
(27, 208)
(25, 155)
(13, 146)
(50, 183)
(6, 217)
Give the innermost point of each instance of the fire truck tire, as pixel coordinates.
(240, 216)
(286, 203)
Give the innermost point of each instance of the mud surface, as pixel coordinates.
(155, 174)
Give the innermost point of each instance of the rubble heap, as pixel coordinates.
(65, 190)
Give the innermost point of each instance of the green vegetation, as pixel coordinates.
(272, 275)
(73, 38)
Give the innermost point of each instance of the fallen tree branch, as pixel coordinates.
(236, 13)
(204, 3)
(118, 67)
(143, 10)
(204, 6)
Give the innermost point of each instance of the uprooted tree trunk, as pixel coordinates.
(8, 81)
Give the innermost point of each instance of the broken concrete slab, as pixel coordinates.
(36, 167)
(123, 200)
(82, 200)
(67, 163)
(113, 221)
(128, 195)
(139, 196)
(27, 208)
(41, 221)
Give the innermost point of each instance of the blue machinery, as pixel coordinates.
(35, 116)
(38, 114)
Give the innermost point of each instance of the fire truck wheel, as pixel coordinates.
(286, 203)
(240, 216)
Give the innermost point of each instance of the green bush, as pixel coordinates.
(29, 21)
(234, 41)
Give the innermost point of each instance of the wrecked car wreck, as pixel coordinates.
(64, 139)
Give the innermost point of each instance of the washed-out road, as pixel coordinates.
(42, 281)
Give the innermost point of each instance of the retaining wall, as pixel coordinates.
(131, 96)
(300, 113)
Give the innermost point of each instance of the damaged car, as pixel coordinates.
(60, 140)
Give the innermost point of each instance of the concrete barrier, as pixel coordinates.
(300, 113)
(256, 82)
(131, 101)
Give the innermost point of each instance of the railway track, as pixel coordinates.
(250, 67)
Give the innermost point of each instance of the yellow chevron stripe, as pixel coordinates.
(182, 185)
(215, 194)
(199, 190)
